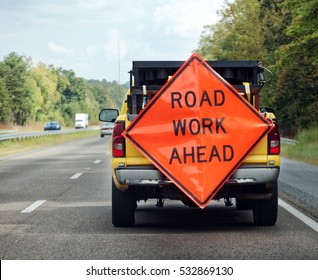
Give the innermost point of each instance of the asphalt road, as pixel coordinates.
(71, 181)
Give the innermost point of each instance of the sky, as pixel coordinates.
(98, 39)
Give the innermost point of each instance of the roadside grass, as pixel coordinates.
(10, 147)
(306, 148)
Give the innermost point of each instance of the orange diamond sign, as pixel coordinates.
(197, 130)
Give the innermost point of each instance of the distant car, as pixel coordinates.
(106, 129)
(52, 126)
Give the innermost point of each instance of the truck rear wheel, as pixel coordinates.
(265, 211)
(123, 207)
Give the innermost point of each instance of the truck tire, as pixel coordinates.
(265, 211)
(123, 207)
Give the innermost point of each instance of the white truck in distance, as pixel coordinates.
(81, 120)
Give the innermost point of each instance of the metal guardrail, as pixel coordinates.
(36, 134)
(288, 141)
(8, 131)
(20, 136)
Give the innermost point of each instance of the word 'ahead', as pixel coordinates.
(197, 130)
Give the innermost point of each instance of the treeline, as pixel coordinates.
(284, 35)
(30, 94)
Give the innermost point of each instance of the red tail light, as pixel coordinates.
(118, 140)
(274, 140)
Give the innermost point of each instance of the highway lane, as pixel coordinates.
(74, 219)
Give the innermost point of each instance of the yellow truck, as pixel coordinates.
(252, 184)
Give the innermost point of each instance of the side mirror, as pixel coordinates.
(108, 115)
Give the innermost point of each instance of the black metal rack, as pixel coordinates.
(147, 77)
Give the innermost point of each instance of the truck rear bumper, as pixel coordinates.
(142, 175)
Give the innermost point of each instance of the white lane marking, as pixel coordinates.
(97, 161)
(309, 222)
(33, 206)
(76, 176)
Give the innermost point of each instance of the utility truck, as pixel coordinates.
(81, 120)
(179, 132)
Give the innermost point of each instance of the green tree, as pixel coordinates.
(40, 93)
(237, 35)
(47, 101)
(5, 100)
(297, 81)
(15, 78)
(282, 33)
(100, 93)
(117, 93)
(74, 89)
(34, 91)
(291, 40)
(274, 20)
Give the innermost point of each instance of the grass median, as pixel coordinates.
(10, 147)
